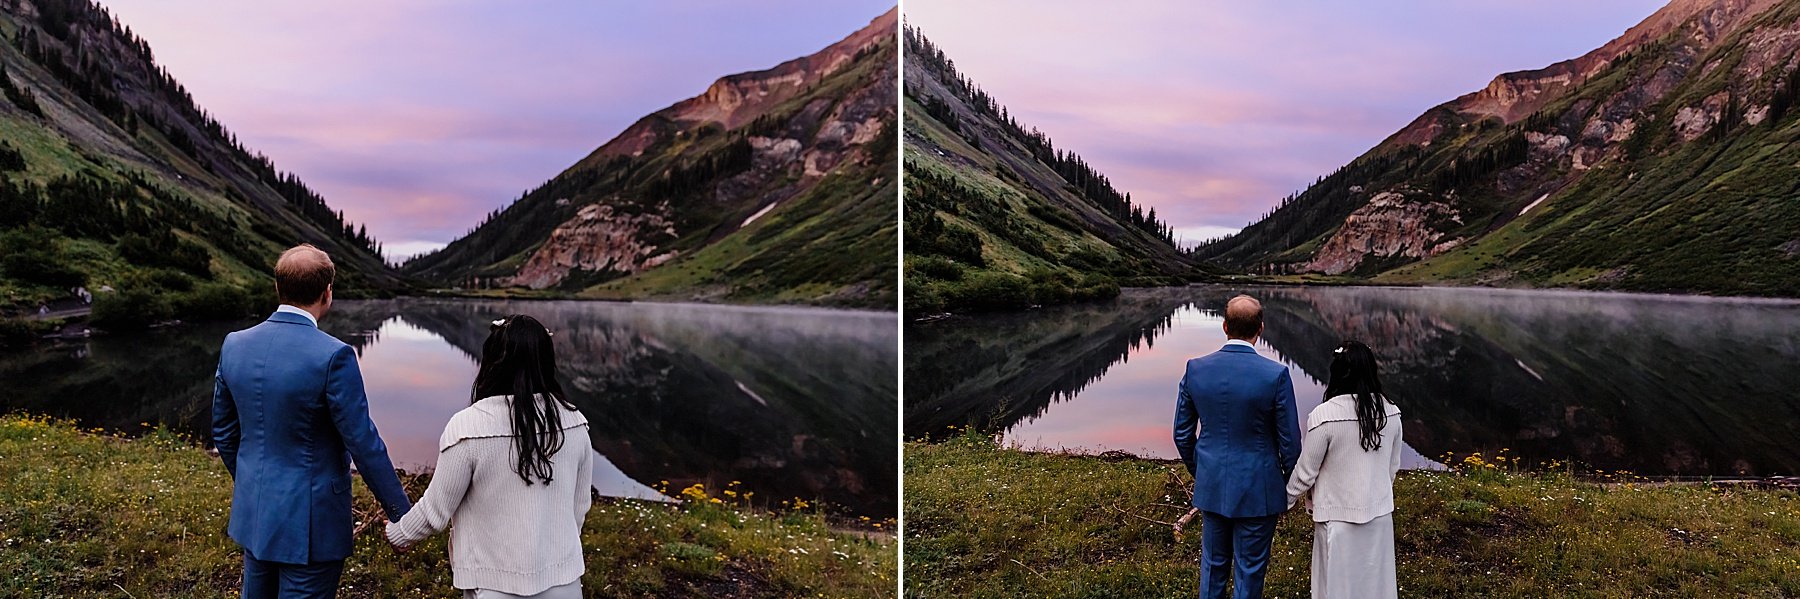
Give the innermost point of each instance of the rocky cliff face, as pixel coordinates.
(598, 239)
(765, 184)
(1513, 96)
(1389, 225)
(736, 100)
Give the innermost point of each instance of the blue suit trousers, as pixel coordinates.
(271, 580)
(1237, 546)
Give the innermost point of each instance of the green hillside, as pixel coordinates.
(997, 217)
(111, 176)
(1668, 162)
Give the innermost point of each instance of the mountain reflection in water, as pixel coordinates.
(1650, 384)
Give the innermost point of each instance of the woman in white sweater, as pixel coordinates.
(1348, 460)
(513, 475)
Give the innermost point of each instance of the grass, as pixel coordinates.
(989, 521)
(84, 514)
(832, 245)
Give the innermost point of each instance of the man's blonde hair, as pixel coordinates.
(302, 275)
(1243, 317)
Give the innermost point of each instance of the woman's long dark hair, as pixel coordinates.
(518, 360)
(1353, 373)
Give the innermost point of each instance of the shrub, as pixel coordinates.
(1051, 286)
(130, 309)
(938, 268)
(930, 235)
(1095, 288)
(165, 249)
(260, 298)
(214, 301)
(10, 158)
(978, 291)
(983, 291)
(172, 280)
(923, 297)
(15, 332)
(36, 255)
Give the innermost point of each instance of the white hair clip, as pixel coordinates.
(499, 322)
(1338, 350)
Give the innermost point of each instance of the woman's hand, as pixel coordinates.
(393, 538)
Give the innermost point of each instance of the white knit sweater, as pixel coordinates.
(1348, 483)
(507, 536)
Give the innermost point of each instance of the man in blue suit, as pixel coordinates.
(1249, 440)
(288, 413)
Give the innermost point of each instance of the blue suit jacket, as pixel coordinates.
(1249, 433)
(288, 404)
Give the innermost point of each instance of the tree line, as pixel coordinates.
(1088, 182)
(87, 49)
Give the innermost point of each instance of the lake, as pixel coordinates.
(790, 402)
(1663, 386)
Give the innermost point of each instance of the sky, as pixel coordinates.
(1211, 111)
(418, 117)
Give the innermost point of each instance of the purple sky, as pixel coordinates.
(1211, 111)
(418, 117)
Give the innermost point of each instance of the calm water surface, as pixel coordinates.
(790, 402)
(1660, 386)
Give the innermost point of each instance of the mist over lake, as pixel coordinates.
(1655, 385)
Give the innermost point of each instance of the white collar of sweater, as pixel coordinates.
(491, 417)
(1341, 408)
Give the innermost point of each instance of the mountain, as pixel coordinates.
(1663, 161)
(111, 175)
(998, 217)
(773, 186)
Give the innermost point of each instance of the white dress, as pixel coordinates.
(567, 591)
(1354, 560)
(1352, 502)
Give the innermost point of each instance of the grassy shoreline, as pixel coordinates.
(83, 513)
(990, 521)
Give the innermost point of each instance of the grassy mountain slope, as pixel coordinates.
(1663, 161)
(998, 217)
(110, 175)
(774, 186)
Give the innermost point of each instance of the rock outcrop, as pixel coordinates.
(598, 239)
(1391, 224)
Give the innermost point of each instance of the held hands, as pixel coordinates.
(1293, 501)
(392, 538)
